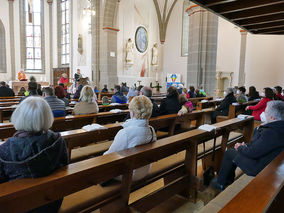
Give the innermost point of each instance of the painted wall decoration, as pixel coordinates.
(141, 39)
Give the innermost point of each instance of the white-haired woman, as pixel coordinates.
(34, 150)
(87, 103)
(136, 131)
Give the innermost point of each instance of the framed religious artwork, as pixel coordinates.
(141, 39)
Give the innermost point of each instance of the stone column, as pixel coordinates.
(12, 38)
(242, 75)
(50, 41)
(202, 51)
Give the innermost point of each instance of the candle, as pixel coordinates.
(157, 76)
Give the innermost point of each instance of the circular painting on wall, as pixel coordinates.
(141, 39)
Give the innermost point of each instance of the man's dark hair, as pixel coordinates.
(139, 88)
(2, 83)
(191, 88)
(61, 84)
(117, 87)
(172, 91)
(252, 90)
(268, 93)
(278, 89)
(242, 89)
(48, 91)
(32, 86)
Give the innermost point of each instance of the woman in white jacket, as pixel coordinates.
(136, 131)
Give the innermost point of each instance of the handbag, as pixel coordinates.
(209, 174)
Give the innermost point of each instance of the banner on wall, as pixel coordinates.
(173, 80)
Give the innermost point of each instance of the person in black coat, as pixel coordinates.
(223, 108)
(253, 94)
(5, 91)
(251, 158)
(170, 105)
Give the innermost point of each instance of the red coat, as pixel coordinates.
(64, 81)
(259, 108)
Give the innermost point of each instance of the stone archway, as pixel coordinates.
(3, 67)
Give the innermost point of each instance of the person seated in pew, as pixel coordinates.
(5, 91)
(223, 108)
(266, 144)
(171, 104)
(186, 105)
(136, 131)
(184, 92)
(105, 100)
(191, 92)
(201, 91)
(34, 150)
(199, 94)
(61, 94)
(118, 96)
(253, 94)
(39, 90)
(131, 93)
(278, 95)
(57, 106)
(268, 95)
(22, 91)
(96, 89)
(32, 90)
(78, 92)
(105, 89)
(87, 103)
(241, 95)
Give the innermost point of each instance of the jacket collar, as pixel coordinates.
(135, 122)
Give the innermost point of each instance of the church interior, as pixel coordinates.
(152, 106)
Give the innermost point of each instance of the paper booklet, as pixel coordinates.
(116, 110)
(92, 127)
(242, 117)
(208, 128)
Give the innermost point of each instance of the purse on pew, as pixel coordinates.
(209, 174)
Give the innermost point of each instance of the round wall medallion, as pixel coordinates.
(141, 39)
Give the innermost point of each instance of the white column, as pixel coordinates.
(50, 41)
(242, 76)
(12, 38)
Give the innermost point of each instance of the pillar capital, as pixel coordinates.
(49, 2)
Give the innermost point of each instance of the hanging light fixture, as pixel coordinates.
(89, 10)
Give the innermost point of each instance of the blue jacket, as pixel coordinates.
(267, 143)
(118, 97)
(32, 155)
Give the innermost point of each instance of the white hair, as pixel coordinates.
(33, 114)
(275, 109)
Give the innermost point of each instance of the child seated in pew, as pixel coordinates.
(87, 103)
(136, 131)
(105, 100)
(186, 105)
(34, 150)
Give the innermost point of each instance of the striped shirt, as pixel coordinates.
(55, 103)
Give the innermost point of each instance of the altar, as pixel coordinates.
(16, 85)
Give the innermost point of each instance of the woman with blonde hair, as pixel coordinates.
(87, 103)
(136, 131)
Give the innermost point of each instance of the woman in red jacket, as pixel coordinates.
(260, 107)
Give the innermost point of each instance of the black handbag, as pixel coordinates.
(209, 174)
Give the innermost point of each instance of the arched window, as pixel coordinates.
(2, 49)
(64, 32)
(32, 36)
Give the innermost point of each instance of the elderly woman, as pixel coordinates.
(136, 131)
(87, 103)
(34, 150)
(64, 80)
(223, 108)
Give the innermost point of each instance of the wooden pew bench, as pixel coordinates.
(235, 110)
(263, 193)
(26, 194)
(209, 104)
(194, 101)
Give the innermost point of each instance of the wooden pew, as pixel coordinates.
(194, 101)
(263, 193)
(26, 194)
(209, 104)
(235, 110)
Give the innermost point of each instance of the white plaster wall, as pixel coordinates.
(131, 15)
(4, 16)
(264, 61)
(173, 62)
(228, 49)
(81, 26)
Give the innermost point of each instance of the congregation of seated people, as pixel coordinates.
(35, 145)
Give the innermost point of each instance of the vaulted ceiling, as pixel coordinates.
(255, 16)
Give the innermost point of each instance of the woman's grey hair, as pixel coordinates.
(87, 94)
(275, 109)
(33, 114)
(230, 90)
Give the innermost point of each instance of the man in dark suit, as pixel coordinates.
(251, 158)
(5, 91)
